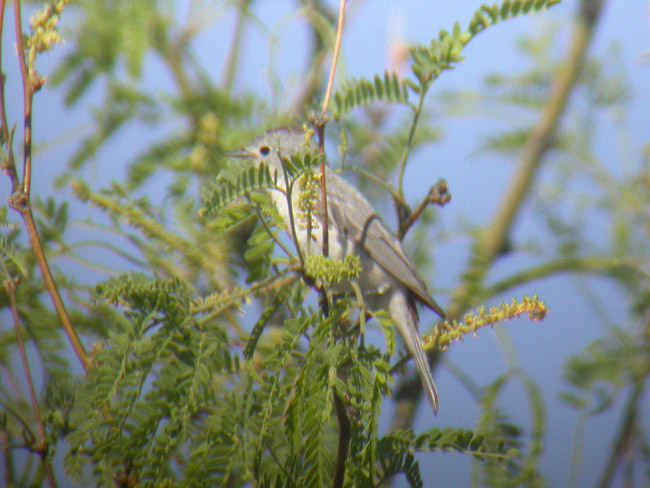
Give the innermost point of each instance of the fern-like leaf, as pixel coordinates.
(355, 93)
(445, 51)
(225, 191)
(14, 257)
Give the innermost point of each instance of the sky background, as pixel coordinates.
(476, 183)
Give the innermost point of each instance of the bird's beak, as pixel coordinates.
(240, 153)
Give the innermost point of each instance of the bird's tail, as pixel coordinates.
(405, 317)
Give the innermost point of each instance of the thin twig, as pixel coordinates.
(41, 446)
(438, 194)
(263, 286)
(385, 184)
(10, 287)
(337, 49)
(323, 190)
(320, 125)
(292, 221)
(28, 95)
(20, 198)
(341, 414)
(269, 231)
(55, 296)
(8, 459)
(26, 428)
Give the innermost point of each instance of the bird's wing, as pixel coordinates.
(351, 213)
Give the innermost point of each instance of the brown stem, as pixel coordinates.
(41, 446)
(20, 197)
(26, 212)
(28, 95)
(3, 113)
(10, 286)
(337, 49)
(438, 194)
(323, 189)
(344, 442)
(341, 414)
(320, 126)
(496, 234)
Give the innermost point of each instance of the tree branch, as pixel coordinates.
(20, 197)
(28, 95)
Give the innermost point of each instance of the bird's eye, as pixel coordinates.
(265, 150)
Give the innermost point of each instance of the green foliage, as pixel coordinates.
(110, 32)
(13, 259)
(355, 93)
(225, 191)
(187, 390)
(258, 255)
(429, 61)
(151, 381)
(603, 368)
(517, 467)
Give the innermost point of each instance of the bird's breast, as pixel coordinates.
(373, 280)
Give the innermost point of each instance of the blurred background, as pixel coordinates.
(124, 105)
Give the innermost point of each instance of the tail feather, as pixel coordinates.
(422, 365)
(405, 317)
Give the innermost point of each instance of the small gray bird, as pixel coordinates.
(388, 278)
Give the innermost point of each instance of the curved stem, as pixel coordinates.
(595, 265)
(292, 222)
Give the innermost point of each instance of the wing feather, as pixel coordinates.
(352, 214)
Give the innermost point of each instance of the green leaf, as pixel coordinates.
(355, 93)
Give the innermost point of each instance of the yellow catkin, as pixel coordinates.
(448, 332)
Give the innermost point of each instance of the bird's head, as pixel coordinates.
(270, 146)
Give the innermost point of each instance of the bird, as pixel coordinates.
(388, 277)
